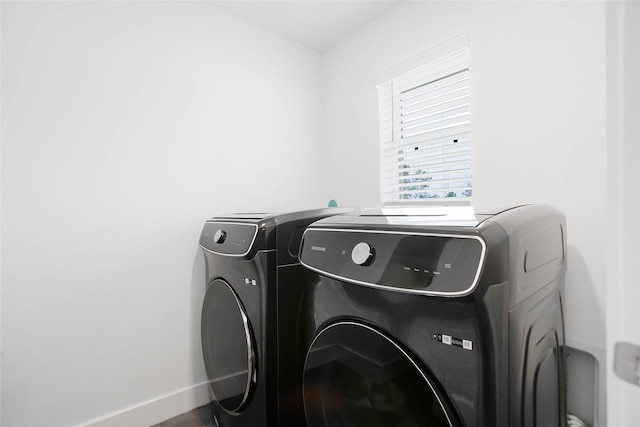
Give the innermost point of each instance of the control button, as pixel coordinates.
(220, 236)
(362, 254)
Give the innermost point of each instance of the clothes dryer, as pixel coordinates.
(247, 256)
(442, 319)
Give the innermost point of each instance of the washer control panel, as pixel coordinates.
(426, 263)
(228, 238)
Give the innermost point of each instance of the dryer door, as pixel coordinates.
(228, 347)
(355, 375)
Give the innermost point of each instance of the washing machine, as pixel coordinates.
(449, 317)
(248, 257)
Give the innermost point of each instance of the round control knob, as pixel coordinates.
(362, 254)
(219, 236)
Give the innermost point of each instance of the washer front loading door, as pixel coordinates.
(356, 376)
(228, 347)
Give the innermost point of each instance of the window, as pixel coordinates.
(425, 132)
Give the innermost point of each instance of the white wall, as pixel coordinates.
(126, 125)
(538, 73)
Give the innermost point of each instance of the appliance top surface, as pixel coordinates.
(431, 216)
(244, 217)
(279, 217)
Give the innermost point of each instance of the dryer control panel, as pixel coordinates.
(228, 238)
(422, 263)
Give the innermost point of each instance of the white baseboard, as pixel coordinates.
(156, 410)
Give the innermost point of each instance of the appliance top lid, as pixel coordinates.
(456, 216)
(280, 217)
(439, 216)
(245, 216)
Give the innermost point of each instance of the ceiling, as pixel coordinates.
(318, 24)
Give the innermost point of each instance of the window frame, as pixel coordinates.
(427, 70)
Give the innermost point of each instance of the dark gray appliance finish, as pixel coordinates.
(438, 321)
(247, 256)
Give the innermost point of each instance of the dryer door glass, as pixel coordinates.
(355, 376)
(228, 347)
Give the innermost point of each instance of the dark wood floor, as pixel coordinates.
(199, 417)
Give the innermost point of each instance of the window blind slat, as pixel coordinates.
(417, 156)
(437, 120)
(451, 84)
(445, 104)
(396, 157)
(459, 185)
(430, 165)
(447, 136)
(441, 100)
(410, 184)
(454, 128)
(461, 166)
(438, 193)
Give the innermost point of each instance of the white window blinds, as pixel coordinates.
(425, 132)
